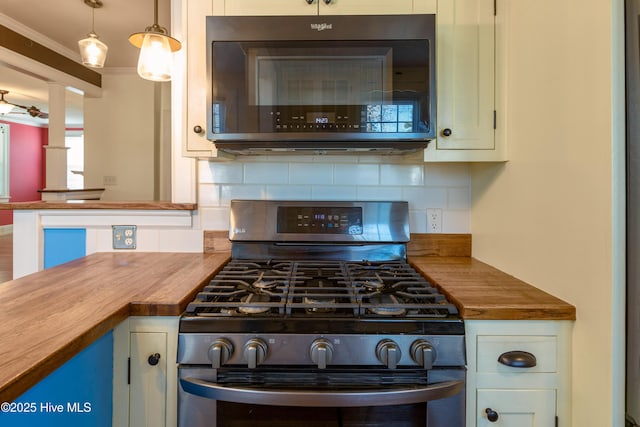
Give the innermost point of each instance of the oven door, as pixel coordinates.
(363, 397)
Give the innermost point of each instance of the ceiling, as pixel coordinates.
(65, 22)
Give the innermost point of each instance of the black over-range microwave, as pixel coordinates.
(322, 84)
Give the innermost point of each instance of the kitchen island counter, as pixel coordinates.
(48, 317)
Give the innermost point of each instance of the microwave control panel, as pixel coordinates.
(375, 118)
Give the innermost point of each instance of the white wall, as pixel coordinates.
(442, 186)
(553, 215)
(120, 133)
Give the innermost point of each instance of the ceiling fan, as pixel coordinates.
(7, 108)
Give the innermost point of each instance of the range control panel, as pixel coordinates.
(322, 220)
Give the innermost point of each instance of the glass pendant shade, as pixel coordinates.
(93, 51)
(155, 61)
(5, 107)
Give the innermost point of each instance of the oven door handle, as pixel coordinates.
(310, 398)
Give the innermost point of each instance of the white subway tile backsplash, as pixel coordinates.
(214, 218)
(401, 175)
(417, 221)
(357, 174)
(288, 192)
(311, 173)
(373, 192)
(209, 195)
(227, 173)
(323, 192)
(425, 197)
(205, 172)
(424, 186)
(229, 192)
(458, 198)
(266, 173)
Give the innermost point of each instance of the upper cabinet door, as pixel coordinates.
(466, 82)
(194, 14)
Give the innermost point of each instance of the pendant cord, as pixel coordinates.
(155, 12)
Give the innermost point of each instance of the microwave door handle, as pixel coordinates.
(325, 399)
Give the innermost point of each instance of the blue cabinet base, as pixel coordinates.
(78, 394)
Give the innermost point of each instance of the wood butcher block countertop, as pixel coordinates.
(482, 292)
(48, 317)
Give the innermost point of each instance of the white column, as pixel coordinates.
(56, 152)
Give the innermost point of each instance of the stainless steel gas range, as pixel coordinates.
(318, 320)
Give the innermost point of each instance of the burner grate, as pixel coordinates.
(320, 288)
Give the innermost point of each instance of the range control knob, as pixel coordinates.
(220, 352)
(423, 353)
(255, 351)
(321, 352)
(388, 353)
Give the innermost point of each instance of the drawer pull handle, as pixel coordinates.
(517, 359)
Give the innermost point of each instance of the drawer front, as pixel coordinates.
(491, 347)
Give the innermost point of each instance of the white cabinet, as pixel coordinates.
(504, 387)
(321, 7)
(191, 87)
(516, 408)
(467, 33)
(466, 88)
(145, 372)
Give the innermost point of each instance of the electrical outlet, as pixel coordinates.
(124, 236)
(434, 220)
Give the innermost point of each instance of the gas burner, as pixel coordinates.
(372, 283)
(251, 304)
(261, 283)
(319, 304)
(386, 305)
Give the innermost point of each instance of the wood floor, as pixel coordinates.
(6, 257)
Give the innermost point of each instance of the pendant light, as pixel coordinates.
(5, 107)
(156, 48)
(92, 50)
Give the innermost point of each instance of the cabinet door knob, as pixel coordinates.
(309, 1)
(327, 1)
(154, 359)
(446, 132)
(197, 129)
(518, 359)
(491, 415)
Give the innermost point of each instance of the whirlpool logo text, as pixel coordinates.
(322, 27)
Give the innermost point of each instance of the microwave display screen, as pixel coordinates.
(321, 118)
